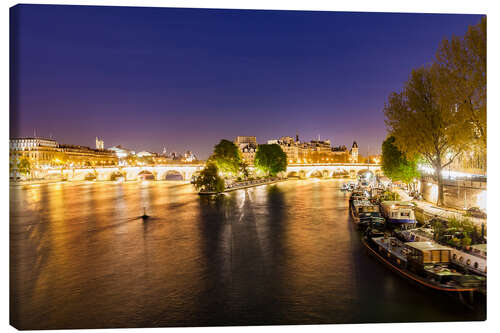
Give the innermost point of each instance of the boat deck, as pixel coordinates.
(392, 245)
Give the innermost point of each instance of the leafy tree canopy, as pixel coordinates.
(425, 125)
(270, 159)
(462, 65)
(24, 166)
(395, 164)
(227, 157)
(209, 179)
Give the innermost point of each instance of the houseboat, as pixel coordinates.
(399, 213)
(426, 264)
(374, 219)
(362, 210)
(473, 260)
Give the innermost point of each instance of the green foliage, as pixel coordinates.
(424, 125)
(456, 232)
(462, 65)
(245, 172)
(395, 165)
(209, 179)
(390, 196)
(227, 157)
(24, 166)
(443, 106)
(270, 159)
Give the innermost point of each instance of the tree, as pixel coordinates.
(462, 66)
(270, 159)
(423, 124)
(244, 169)
(209, 179)
(24, 166)
(395, 165)
(226, 156)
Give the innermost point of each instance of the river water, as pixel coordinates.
(275, 254)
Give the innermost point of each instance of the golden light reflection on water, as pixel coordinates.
(82, 257)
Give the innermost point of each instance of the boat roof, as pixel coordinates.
(363, 202)
(421, 231)
(427, 246)
(398, 203)
(480, 247)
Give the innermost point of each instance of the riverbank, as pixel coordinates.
(243, 185)
(430, 210)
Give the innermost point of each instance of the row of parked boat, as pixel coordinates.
(391, 235)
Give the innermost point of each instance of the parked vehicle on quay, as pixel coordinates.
(476, 212)
(427, 264)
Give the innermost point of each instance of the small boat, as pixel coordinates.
(424, 263)
(374, 219)
(361, 207)
(399, 213)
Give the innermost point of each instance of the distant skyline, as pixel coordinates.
(148, 78)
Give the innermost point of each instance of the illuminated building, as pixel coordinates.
(354, 152)
(121, 152)
(99, 144)
(247, 146)
(189, 157)
(48, 153)
(314, 151)
(37, 150)
(77, 156)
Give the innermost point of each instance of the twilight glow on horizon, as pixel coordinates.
(148, 78)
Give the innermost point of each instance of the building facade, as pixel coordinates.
(354, 152)
(314, 151)
(47, 153)
(247, 146)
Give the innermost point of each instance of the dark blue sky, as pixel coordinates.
(147, 78)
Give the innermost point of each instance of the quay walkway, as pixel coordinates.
(431, 210)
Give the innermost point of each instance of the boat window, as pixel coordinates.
(445, 256)
(454, 256)
(476, 265)
(436, 256)
(461, 259)
(468, 262)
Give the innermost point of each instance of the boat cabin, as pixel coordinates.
(399, 212)
(428, 253)
(364, 206)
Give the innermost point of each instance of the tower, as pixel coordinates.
(354, 152)
(99, 144)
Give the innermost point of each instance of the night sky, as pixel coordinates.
(148, 78)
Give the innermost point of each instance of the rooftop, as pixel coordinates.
(427, 246)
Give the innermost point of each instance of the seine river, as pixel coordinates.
(276, 254)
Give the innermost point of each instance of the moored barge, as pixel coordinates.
(424, 263)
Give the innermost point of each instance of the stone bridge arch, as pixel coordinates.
(85, 174)
(117, 175)
(172, 175)
(146, 175)
(315, 174)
